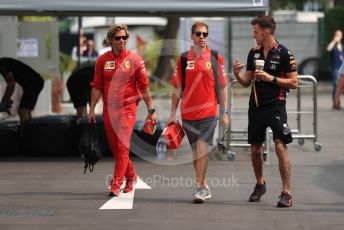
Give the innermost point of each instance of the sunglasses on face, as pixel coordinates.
(198, 34)
(117, 38)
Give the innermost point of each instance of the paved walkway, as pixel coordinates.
(53, 193)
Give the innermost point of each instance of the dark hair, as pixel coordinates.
(265, 22)
(197, 24)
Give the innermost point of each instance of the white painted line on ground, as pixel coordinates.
(141, 185)
(124, 200)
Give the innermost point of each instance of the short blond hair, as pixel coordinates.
(113, 29)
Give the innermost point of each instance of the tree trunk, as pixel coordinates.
(164, 69)
(272, 6)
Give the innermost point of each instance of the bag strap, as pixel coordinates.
(214, 65)
(183, 60)
(89, 166)
(85, 167)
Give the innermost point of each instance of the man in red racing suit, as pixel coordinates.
(121, 79)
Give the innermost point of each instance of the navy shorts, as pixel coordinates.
(275, 117)
(200, 130)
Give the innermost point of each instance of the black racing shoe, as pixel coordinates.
(285, 200)
(259, 190)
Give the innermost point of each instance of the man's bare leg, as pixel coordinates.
(200, 156)
(257, 162)
(284, 164)
(81, 112)
(24, 116)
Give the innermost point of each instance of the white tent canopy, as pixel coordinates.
(134, 7)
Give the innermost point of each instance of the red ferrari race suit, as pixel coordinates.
(120, 79)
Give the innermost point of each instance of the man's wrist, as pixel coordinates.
(224, 110)
(151, 111)
(274, 80)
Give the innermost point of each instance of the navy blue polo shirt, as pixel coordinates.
(278, 62)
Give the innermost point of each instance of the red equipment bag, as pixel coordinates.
(149, 126)
(173, 135)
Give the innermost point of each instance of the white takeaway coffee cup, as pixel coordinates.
(260, 64)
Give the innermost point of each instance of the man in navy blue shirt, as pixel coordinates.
(90, 52)
(335, 47)
(267, 102)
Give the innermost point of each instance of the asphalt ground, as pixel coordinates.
(53, 193)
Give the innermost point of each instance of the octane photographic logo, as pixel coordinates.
(144, 145)
(165, 181)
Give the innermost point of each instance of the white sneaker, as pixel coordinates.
(201, 194)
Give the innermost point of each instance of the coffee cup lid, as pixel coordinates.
(260, 62)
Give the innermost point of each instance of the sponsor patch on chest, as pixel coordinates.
(208, 65)
(127, 64)
(190, 65)
(110, 65)
(256, 55)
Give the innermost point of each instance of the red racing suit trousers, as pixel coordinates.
(119, 124)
